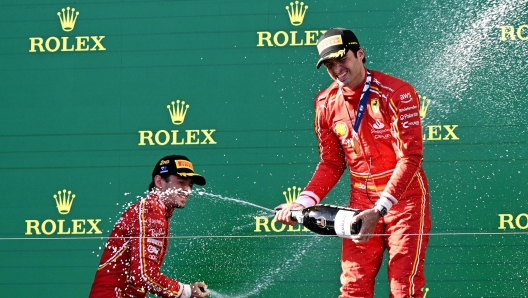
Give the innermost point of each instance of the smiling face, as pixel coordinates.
(174, 191)
(347, 71)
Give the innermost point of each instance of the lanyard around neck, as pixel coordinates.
(362, 103)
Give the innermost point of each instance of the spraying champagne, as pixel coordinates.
(329, 220)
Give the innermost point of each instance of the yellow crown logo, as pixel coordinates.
(68, 18)
(424, 105)
(296, 12)
(64, 201)
(292, 194)
(425, 290)
(178, 111)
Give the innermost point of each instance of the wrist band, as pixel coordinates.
(384, 203)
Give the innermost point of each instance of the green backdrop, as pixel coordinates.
(85, 109)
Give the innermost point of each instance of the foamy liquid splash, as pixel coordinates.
(172, 191)
(272, 275)
(203, 193)
(214, 294)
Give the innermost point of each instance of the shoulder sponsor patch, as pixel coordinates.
(341, 129)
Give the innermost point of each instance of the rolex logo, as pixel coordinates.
(435, 132)
(264, 224)
(292, 38)
(177, 111)
(65, 226)
(68, 18)
(292, 194)
(85, 43)
(64, 201)
(296, 12)
(424, 105)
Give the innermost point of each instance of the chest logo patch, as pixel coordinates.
(375, 105)
(341, 129)
(378, 124)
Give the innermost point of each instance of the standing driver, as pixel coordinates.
(131, 261)
(369, 122)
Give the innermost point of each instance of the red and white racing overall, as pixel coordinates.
(131, 261)
(388, 168)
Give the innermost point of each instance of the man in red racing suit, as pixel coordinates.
(131, 261)
(384, 159)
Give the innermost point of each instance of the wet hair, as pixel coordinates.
(354, 51)
(165, 177)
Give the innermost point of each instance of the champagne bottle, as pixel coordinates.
(327, 219)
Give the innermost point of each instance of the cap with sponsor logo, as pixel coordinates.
(176, 165)
(335, 43)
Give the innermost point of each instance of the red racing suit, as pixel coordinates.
(131, 261)
(387, 168)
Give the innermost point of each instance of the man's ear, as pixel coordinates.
(360, 54)
(158, 181)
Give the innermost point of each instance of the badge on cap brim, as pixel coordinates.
(181, 163)
(328, 42)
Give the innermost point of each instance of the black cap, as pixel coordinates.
(335, 43)
(176, 165)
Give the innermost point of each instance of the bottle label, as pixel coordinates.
(342, 223)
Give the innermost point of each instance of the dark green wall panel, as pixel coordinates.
(74, 121)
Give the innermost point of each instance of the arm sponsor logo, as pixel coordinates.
(406, 98)
(155, 221)
(157, 232)
(155, 242)
(153, 250)
(341, 129)
(408, 116)
(413, 107)
(407, 124)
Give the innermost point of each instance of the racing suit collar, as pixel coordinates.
(157, 199)
(354, 94)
